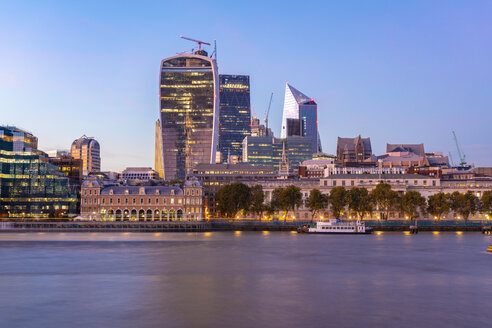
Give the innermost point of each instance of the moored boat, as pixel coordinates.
(334, 226)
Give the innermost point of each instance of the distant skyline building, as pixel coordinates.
(300, 117)
(235, 113)
(268, 150)
(355, 152)
(189, 114)
(87, 149)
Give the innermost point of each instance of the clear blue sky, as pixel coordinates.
(395, 71)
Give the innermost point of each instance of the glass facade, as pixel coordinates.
(30, 186)
(235, 113)
(298, 106)
(268, 150)
(189, 106)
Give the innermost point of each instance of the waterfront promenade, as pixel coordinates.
(231, 225)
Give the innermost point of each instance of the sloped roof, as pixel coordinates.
(135, 190)
(414, 148)
(298, 95)
(349, 143)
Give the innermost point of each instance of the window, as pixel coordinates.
(149, 201)
(325, 182)
(334, 182)
(157, 200)
(119, 201)
(351, 182)
(343, 182)
(434, 183)
(415, 182)
(103, 201)
(141, 200)
(111, 200)
(126, 200)
(134, 201)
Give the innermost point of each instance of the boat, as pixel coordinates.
(336, 226)
(489, 249)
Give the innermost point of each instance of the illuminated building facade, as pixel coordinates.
(87, 149)
(142, 203)
(300, 117)
(235, 113)
(30, 186)
(268, 150)
(189, 105)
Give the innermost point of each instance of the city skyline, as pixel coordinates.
(414, 76)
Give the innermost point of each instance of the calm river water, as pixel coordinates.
(248, 279)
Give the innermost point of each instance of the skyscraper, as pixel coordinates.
(87, 149)
(235, 113)
(301, 110)
(189, 106)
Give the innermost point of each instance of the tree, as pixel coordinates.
(257, 200)
(338, 201)
(360, 201)
(438, 204)
(316, 201)
(292, 198)
(384, 198)
(233, 198)
(286, 199)
(464, 204)
(412, 204)
(486, 203)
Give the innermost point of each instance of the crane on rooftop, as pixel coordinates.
(268, 112)
(461, 155)
(197, 41)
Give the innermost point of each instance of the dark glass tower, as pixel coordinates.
(189, 103)
(235, 113)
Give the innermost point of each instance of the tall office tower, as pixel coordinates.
(87, 149)
(300, 110)
(30, 186)
(235, 113)
(189, 105)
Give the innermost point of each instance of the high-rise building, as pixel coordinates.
(189, 107)
(30, 186)
(235, 113)
(268, 150)
(259, 130)
(300, 117)
(87, 149)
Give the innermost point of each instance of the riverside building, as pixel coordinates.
(30, 186)
(142, 203)
(235, 114)
(189, 112)
(87, 149)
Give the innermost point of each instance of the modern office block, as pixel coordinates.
(189, 109)
(235, 113)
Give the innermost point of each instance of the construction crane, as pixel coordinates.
(197, 41)
(460, 154)
(451, 159)
(268, 112)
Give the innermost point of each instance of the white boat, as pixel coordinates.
(334, 226)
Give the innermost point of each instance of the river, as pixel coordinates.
(245, 279)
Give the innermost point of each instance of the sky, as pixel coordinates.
(394, 71)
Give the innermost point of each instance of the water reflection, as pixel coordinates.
(219, 280)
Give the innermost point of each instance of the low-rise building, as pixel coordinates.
(139, 173)
(142, 203)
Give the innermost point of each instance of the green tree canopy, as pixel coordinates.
(233, 198)
(412, 204)
(360, 202)
(338, 200)
(316, 201)
(464, 204)
(438, 204)
(385, 199)
(286, 199)
(257, 201)
(486, 203)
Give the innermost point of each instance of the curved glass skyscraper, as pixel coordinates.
(189, 104)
